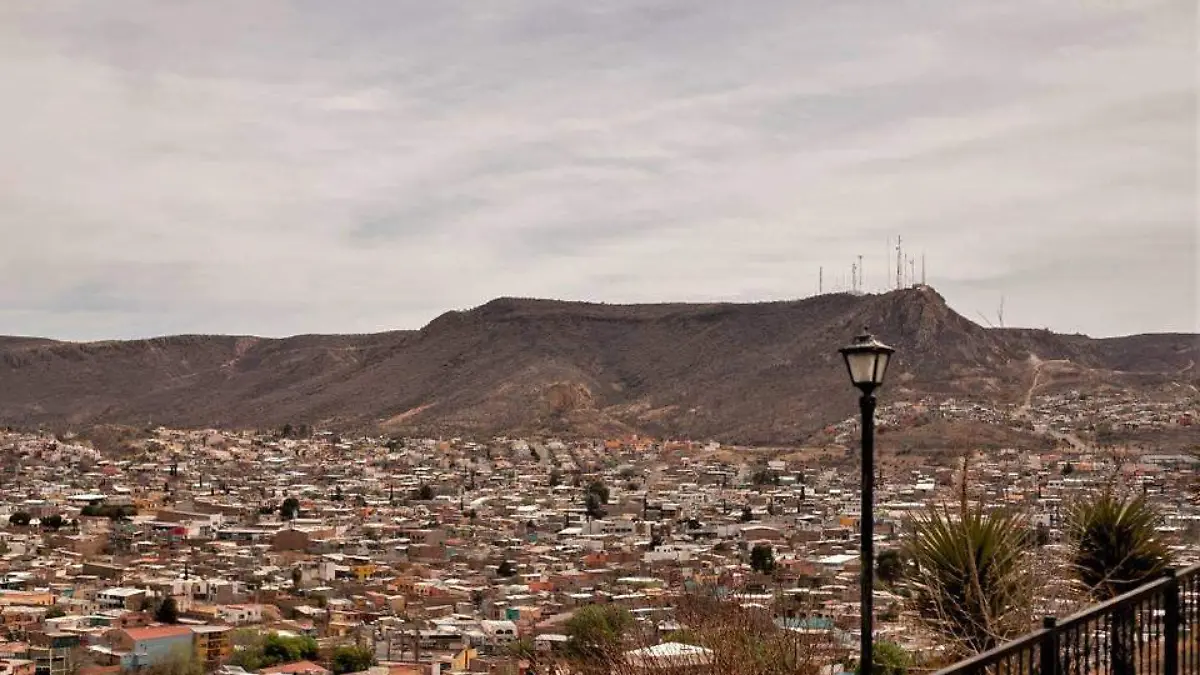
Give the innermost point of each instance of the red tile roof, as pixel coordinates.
(294, 668)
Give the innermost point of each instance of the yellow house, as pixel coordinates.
(462, 660)
(213, 645)
(363, 572)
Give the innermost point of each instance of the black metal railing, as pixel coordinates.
(1153, 629)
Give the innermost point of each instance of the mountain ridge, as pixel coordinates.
(754, 372)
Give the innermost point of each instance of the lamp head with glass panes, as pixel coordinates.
(867, 361)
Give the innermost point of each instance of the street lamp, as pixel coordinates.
(867, 361)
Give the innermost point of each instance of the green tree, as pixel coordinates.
(53, 522)
(889, 566)
(594, 635)
(599, 489)
(289, 509)
(592, 505)
(167, 612)
(890, 659)
(762, 559)
(247, 649)
(20, 519)
(747, 514)
(297, 577)
(555, 477)
(425, 493)
(55, 612)
(506, 569)
(351, 659)
(276, 649)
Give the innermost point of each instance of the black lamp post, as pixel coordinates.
(867, 360)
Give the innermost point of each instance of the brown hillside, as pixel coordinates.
(765, 372)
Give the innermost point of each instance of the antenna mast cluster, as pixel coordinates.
(905, 273)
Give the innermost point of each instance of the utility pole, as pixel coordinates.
(416, 644)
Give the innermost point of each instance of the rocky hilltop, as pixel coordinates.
(759, 373)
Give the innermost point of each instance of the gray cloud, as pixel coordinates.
(284, 167)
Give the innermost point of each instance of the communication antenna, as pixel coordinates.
(899, 265)
(888, 258)
(861, 285)
(853, 278)
(922, 268)
(912, 272)
(820, 281)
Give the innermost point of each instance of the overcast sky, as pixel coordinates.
(249, 166)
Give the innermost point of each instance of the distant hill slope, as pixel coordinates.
(763, 373)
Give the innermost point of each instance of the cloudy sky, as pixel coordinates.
(251, 166)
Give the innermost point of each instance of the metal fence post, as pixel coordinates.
(1049, 647)
(1171, 627)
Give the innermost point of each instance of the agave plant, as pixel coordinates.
(970, 576)
(1116, 546)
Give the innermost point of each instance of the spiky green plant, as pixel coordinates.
(970, 576)
(1116, 545)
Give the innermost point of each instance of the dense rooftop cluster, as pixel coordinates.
(233, 549)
